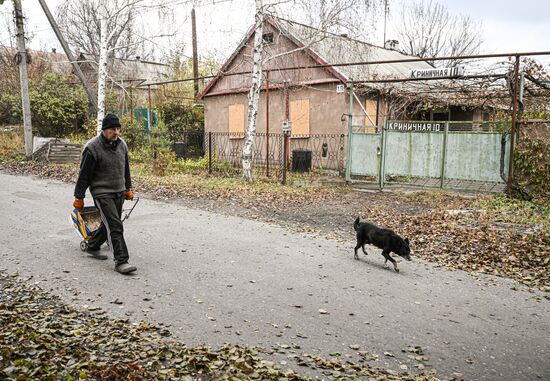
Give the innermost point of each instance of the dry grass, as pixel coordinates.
(12, 144)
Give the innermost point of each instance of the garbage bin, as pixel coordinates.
(301, 160)
(180, 149)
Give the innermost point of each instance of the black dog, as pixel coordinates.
(384, 239)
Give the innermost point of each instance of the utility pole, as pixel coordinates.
(195, 57)
(386, 11)
(23, 76)
(91, 97)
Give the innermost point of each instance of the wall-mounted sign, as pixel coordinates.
(340, 88)
(416, 126)
(287, 126)
(443, 72)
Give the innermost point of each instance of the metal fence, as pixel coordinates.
(224, 151)
(189, 145)
(307, 154)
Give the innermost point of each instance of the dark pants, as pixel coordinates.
(111, 228)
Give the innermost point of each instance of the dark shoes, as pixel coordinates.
(96, 254)
(125, 268)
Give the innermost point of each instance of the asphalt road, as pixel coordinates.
(215, 279)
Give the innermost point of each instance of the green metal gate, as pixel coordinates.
(430, 153)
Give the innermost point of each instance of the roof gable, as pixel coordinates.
(285, 51)
(309, 47)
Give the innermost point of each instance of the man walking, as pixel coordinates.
(105, 168)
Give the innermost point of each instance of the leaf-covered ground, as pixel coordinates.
(490, 234)
(41, 338)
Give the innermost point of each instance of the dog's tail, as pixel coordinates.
(356, 224)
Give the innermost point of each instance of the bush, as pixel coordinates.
(58, 109)
(162, 162)
(145, 146)
(532, 166)
(10, 109)
(180, 118)
(133, 134)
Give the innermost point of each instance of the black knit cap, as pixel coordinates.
(110, 121)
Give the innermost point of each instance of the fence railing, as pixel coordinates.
(308, 154)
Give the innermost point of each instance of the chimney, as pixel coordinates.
(138, 58)
(53, 50)
(391, 44)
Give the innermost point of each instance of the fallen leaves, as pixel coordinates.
(42, 338)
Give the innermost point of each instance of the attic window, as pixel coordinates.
(268, 38)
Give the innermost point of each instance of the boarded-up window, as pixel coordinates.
(370, 107)
(236, 120)
(370, 118)
(299, 116)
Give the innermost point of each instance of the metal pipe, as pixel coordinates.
(514, 122)
(350, 128)
(444, 154)
(149, 124)
(377, 107)
(285, 135)
(480, 76)
(210, 152)
(267, 123)
(359, 63)
(382, 169)
(131, 106)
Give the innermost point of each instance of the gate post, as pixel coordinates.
(444, 153)
(350, 125)
(382, 167)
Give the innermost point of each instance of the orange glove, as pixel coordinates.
(129, 195)
(78, 204)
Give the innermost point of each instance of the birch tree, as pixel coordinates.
(327, 15)
(254, 93)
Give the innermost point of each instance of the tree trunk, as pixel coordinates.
(254, 93)
(102, 74)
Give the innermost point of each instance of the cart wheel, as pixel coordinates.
(83, 245)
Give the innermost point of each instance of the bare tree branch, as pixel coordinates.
(427, 29)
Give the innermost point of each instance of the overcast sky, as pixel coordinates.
(508, 25)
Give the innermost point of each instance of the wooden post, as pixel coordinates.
(195, 57)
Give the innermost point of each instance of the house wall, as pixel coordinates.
(326, 124)
(325, 109)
